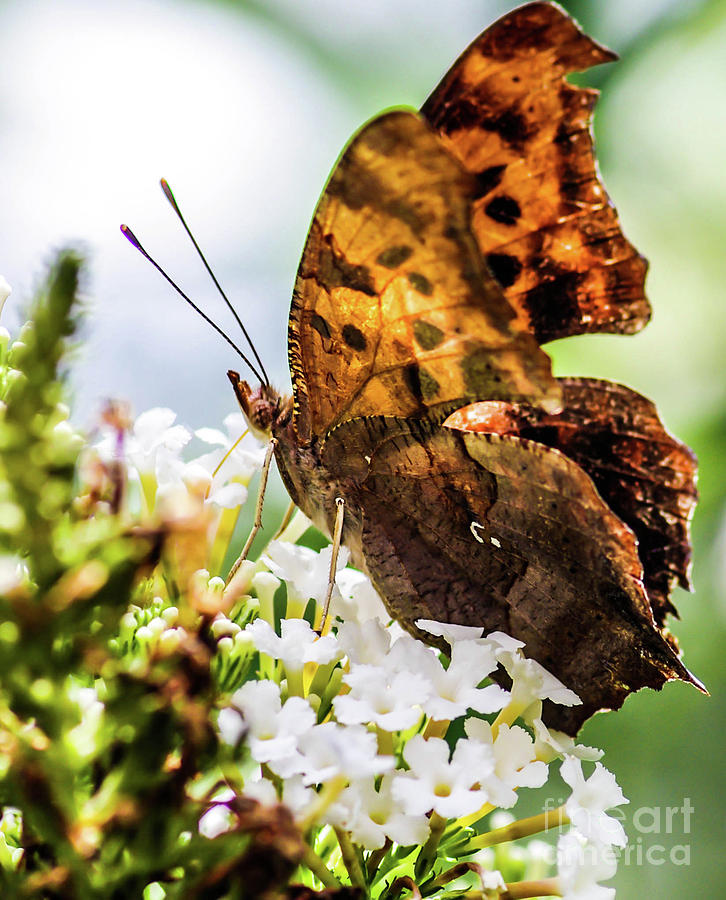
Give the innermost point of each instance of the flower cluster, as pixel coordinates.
(392, 757)
(354, 732)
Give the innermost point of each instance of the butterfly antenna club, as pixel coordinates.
(134, 241)
(168, 193)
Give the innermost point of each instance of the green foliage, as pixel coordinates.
(109, 793)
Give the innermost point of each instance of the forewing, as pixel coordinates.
(393, 310)
(498, 531)
(542, 219)
(645, 475)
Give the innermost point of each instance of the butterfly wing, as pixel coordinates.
(542, 219)
(645, 475)
(393, 310)
(498, 531)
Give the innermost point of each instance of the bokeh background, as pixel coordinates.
(244, 107)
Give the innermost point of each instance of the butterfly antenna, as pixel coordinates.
(174, 205)
(131, 237)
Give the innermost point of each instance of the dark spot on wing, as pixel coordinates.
(477, 371)
(427, 336)
(392, 257)
(413, 382)
(563, 134)
(335, 270)
(404, 211)
(553, 304)
(420, 283)
(510, 125)
(429, 385)
(504, 267)
(503, 209)
(354, 337)
(421, 383)
(487, 180)
(320, 325)
(356, 188)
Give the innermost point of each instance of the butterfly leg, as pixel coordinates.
(337, 532)
(258, 510)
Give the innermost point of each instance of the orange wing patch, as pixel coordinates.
(542, 218)
(394, 311)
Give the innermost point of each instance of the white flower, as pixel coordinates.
(298, 645)
(450, 633)
(231, 725)
(222, 626)
(550, 744)
(229, 467)
(407, 654)
(449, 787)
(305, 571)
(372, 815)
(298, 797)
(589, 799)
(265, 585)
(330, 750)
(274, 730)
(503, 642)
(515, 764)
(580, 866)
(532, 683)
(215, 821)
(261, 790)
(155, 439)
(455, 690)
(390, 700)
(493, 881)
(358, 600)
(364, 642)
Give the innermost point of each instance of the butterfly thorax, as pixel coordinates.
(312, 487)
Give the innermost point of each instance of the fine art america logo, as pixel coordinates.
(649, 823)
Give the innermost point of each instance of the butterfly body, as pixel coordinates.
(478, 488)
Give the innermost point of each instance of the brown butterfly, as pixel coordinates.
(447, 246)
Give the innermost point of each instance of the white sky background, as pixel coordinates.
(97, 101)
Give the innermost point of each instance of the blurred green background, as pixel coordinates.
(244, 106)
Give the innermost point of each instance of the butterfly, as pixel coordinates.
(447, 247)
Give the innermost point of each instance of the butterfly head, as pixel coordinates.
(260, 405)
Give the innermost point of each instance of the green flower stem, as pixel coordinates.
(225, 529)
(473, 818)
(350, 859)
(437, 824)
(436, 728)
(509, 714)
(318, 868)
(148, 490)
(295, 685)
(330, 792)
(522, 828)
(519, 890)
(295, 528)
(321, 679)
(385, 742)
